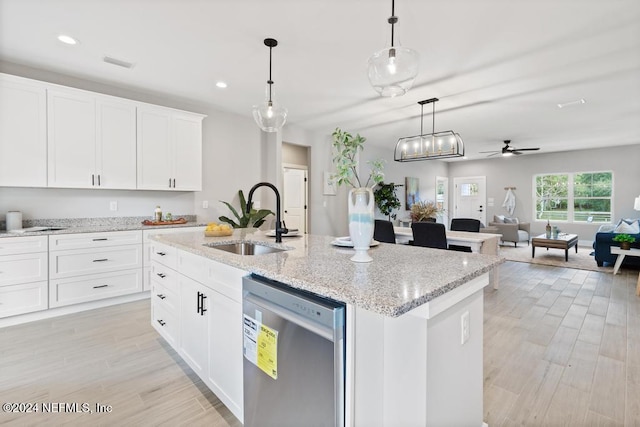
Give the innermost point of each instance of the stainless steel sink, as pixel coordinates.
(245, 248)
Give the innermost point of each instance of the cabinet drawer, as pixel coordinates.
(94, 287)
(23, 245)
(224, 279)
(191, 265)
(91, 261)
(24, 298)
(165, 276)
(165, 297)
(94, 240)
(24, 268)
(165, 255)
(166, 324)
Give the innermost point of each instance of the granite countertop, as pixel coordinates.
(399, 278)
(95, 225)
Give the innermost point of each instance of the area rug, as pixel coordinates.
(583, 260)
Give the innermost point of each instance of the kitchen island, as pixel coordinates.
(413, 327)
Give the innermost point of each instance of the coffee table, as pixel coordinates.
(563, 241)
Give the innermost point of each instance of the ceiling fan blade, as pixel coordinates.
(494, 154)
(484, 152)
(528, 149)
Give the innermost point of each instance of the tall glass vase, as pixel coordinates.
(361, 222)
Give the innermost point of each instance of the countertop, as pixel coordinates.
(399, 279)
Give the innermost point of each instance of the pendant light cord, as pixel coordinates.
(393, 19)
(270, 82)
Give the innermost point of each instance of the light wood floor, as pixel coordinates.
(562, 348)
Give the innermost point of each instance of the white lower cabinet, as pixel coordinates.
(209, 319)
(93, 287)
(23, 298)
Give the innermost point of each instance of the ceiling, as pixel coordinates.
(499, 68)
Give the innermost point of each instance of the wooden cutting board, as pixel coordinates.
(175, 221)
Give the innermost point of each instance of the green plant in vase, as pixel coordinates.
(625, 240)
(386, 199)
(424, 210)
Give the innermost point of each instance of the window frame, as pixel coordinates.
(571, 196)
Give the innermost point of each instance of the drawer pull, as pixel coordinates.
(101, 260)
(100, 239)
(162, 322)
(162, 276)
(161, 296)
(100, 286)
(161, 253)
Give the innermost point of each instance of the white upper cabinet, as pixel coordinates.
(92, 140)
(169, 149)
(23, 132)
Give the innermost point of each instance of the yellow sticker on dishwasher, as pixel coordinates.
(268, 351)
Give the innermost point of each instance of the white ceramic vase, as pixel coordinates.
(361, 222)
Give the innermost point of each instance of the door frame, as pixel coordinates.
(457, 181)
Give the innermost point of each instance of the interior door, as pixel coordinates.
(470, 198)
(295, 199)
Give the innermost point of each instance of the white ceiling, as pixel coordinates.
(499, 67)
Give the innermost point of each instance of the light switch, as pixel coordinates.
(113, 206)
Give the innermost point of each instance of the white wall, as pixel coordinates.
(519, 171)
(232, 153)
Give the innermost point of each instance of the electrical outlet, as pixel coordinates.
(464, 327)
(205, 204)
(113, 206)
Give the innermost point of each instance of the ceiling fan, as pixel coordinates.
(508, 150)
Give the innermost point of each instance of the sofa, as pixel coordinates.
(512, 229)
(604, 240)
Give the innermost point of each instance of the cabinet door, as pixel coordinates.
(187, 151)
(72, 139)
(23, 133)
(194, 324)
(154, 155)
(225, 351)
(116, 144)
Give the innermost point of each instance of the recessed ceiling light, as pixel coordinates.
(221, 85)
(572, 103)
(67, 39)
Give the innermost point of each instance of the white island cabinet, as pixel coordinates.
(414, 330)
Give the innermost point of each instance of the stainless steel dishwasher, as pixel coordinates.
(293, 356)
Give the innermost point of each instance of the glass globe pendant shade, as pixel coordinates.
(393, 70)
(269, 116)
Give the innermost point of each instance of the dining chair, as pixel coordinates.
(429, 235)
(383, 231)
(465, 224)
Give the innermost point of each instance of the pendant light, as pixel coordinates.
(393, 69)
(269, 115)
(431, 146)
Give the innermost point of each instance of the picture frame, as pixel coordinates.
(412, 193)
(329, 184)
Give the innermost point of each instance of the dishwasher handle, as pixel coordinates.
(310, 325)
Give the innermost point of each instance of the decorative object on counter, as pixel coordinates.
(386, 199)
(269, 116)
(174, 221)
(555, 231)
(280, 228)
(625, 240)
(412, 191)
(157, 214)
(434, 145)
(14, 220)
(361, 225)
(393, 69)
(548, 230)
(217, 230)
(168, 216)
(361, 200)
(424, 210)
(254, 218)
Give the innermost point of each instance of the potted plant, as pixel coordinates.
(255, 218)
(424, 210)
(386, 199)
(361, 200)
(625, 240)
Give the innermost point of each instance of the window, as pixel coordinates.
(574, 197)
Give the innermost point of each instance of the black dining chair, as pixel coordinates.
(465, 224)
(383, 231)
(429, 235)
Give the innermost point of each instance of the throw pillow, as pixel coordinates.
(498, 218)
(511, 221)
(624, 226)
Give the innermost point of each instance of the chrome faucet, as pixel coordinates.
(279, 226)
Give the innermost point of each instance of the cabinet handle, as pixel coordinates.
(202, 309)
(169, 182)
(162, 276)
(101, 260)
(100, 286)
(174, 183)
(98, 180)
(162, 322)
(199, 302)
(100, 239)
(161, 296)
(161, 253)
(93, 179)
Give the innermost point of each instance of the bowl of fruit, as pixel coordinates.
(218, 230)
